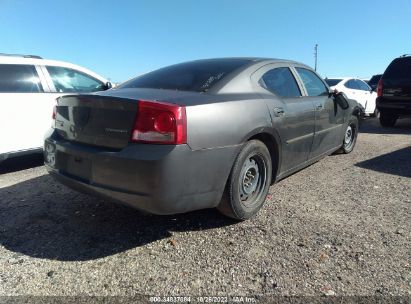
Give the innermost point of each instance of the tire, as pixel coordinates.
(350, 135)
(248, 183)
(387, 119)
(376, 113)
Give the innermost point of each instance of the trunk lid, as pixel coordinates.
(96, 120)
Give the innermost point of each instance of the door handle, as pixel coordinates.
(319, 106)
(278, 112)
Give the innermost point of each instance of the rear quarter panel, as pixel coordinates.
(226, 123)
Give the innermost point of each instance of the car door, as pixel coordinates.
(368, 96)
(353, 91)
(292, 115)
(329, 117)
(22, 96)
(350, 88)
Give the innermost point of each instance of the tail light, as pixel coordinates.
(160, 123)
(379, 88)
(53, 116)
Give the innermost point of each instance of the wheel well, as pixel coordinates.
(356, 112)
(273, 148)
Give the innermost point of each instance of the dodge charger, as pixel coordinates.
(212, 133)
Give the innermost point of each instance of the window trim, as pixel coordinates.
(48, 79)
(43, 79)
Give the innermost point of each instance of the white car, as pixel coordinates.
(29, 86)
(356, 89)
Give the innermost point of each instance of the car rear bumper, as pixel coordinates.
(396, 107)
(160, 179)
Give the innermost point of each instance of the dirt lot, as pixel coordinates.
(340, 226)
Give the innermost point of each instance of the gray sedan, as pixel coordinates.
(201, 134)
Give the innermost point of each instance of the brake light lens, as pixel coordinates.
(160, 123)
(379, 88)
(53, 116)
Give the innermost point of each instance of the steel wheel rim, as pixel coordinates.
(252, 179)
(349, 136)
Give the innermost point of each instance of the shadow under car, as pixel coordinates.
(396, 163)
(43, 219)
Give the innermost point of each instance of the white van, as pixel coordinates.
(29, 86)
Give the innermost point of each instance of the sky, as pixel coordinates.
(124, 38)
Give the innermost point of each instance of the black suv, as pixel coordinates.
(394, 91)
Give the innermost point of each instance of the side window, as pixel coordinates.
(313, 84)
(68, 80)
(351, 84)
(281, 82)
(362, 85)
(17, 78)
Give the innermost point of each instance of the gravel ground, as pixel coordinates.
(340, 226)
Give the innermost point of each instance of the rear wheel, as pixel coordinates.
(376, 113)
(387, 119)
(350, 135)
(248, 183)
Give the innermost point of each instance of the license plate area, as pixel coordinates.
(75, 166)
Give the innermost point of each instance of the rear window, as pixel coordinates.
(374, 79)
(400, 68)
(197, 76)
(18, 78)
(332, 82)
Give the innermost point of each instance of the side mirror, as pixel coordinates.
(341, 99)
(108, 85)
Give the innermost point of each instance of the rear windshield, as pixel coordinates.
(197, 76)
(400, 68)
(332, 82)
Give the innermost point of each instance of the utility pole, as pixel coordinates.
(315, 56)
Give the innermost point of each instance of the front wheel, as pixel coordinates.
(350, 135)
(248, 183)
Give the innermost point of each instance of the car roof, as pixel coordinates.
(251, 60)
(238, 80)
(342, 78)
(345, 78)
(35, 60)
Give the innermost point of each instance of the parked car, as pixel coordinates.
(356, 89)
(29, 87)
(201, 134)
(394, 91)
(373, 82)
